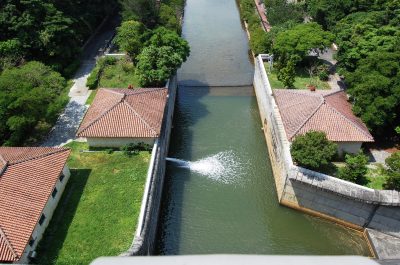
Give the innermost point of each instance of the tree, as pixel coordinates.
(296, 43)
(287, 75)
(313, 150)
(393, 164)
(144, 11)
(28, 94)
(156, 64)
(168, 18)
(281, 11)
(129, 37)
(374, 88)
(165, 37)
(355, 169)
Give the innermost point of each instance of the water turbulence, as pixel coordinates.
(222, 167)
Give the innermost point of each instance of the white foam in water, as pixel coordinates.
(222, 167)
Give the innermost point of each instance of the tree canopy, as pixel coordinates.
(156, 64)
(49, 31)
(313, 150)
(296, 42)
(29, 97)
(130, 37)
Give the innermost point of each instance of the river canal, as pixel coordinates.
(224, 199)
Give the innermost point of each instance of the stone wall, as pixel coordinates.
(315, 193)
(146, 230)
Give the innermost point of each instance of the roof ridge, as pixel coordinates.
(350, 121)
(8, 243)
(141, 118)
(312, 114)
(146, 90)
(58, 150)
(332, 93)
(114, 91)
(102, 114)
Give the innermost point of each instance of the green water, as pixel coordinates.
(227, 202)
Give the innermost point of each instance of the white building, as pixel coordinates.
(32, 180)
(121, 116)
(330, 112)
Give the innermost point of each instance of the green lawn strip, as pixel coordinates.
(119, 75)
(91, 97)
(98, 212)
(377, 177)
(302, 79)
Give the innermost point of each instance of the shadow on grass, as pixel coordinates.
(56, 233)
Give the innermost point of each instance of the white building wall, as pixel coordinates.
(348, 147)
(117, 142)
(48, 212)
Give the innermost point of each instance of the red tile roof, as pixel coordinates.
(27, 178)
(330, 112)
(125, 113)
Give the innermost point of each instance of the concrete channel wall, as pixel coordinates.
(146, 230)
(315, 193)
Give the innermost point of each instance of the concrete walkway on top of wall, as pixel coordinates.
(68, 122)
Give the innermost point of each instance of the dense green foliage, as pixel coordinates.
(368, 36)
(130, 37)
(287, 75)
(156, 64)
(46, 30)
(94, 78)
(165, 37)
(165, 52)
(297, 42)
(313, 150)
(29, 101)
(259, 41)
(355, 169)
(282, 11)
(375, 90)
(393, 164)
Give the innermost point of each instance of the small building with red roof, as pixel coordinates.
(330, 112)
(121, 116)
(32, 180)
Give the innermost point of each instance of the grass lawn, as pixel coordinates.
(377, 177)
(98, 211)
(91, 97)
(119, 75)
(302, 79)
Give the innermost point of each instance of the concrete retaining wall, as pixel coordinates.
(146, 230)
(334, 199)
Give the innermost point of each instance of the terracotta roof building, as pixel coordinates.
(32, 180)
(120, 116)
(330, 112)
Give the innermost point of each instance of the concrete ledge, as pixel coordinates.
(384, 245)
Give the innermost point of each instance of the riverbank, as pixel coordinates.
(333, 199)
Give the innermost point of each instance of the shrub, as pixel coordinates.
(94, 78)
(287, 75)
(313, 150)
(130, 149)
(355, 169)
(167, 18)
(156, 64)
(129, 37)
(393, 171)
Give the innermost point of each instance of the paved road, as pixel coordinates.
(68, 122)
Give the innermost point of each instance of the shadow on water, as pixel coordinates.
(181, 141)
